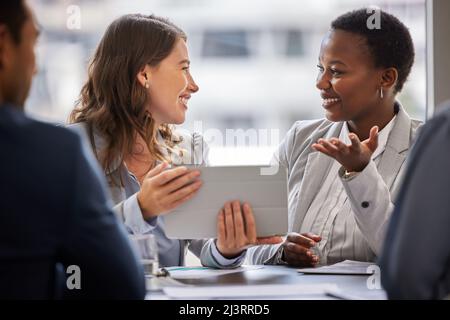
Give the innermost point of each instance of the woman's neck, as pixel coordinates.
(140, 161)
(380, 117)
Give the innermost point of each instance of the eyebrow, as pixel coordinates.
(335, 62)
(184, 61)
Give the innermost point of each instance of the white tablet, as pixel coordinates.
(266, 193)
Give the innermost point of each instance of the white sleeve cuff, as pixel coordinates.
(356, 180)
(133, 219)
(221, 260)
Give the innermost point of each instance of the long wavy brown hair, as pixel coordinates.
(112, 102)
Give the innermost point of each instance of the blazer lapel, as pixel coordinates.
(397, 144)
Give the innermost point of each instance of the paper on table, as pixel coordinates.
(376, 294)
(250, 291)
(204, 272)
(349, 267)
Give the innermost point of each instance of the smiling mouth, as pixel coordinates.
(184, 101)
(326, 103)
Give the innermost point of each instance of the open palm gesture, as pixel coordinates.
(353, 157)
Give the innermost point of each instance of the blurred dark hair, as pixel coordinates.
(13, 15)
(390, 46)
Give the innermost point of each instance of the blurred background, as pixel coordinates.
(254, 60)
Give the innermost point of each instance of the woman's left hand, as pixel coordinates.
(353, 157)
(236, 230)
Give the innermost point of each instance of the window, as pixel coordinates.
(226, 44)
(289, 42)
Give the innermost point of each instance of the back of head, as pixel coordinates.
(18, 34)
(13, 15)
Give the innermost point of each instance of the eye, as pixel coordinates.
(186, 69)
(335, 72)
(320, 68)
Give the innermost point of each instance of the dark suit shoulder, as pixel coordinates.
(443, 114)
(22, 132)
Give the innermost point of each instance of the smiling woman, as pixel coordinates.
(341, 197)
(170, 81)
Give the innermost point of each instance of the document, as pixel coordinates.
(349, 267)
(299, 291)
(183, 273)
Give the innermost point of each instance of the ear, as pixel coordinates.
(389, 78)
(144, 75)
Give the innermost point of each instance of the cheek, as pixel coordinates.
(353, 90)
(343, 87)
(182, 82)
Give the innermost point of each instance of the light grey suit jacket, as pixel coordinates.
(307, 170)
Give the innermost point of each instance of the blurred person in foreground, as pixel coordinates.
(415, 263)
(54, 213)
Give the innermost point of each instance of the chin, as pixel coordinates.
(334, 117)
(178, 120)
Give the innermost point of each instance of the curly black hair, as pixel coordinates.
(390, 45)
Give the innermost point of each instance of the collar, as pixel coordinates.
(383, 136)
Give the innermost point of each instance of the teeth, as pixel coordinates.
(184, 100)
(329, 101)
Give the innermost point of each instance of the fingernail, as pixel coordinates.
(312, 244)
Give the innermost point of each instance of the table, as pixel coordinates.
(351, 286)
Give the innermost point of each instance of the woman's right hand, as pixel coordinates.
(296, 249)
(163, 190)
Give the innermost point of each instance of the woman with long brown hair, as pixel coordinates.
(139, 84)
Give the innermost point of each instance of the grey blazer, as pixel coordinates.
(307, 169)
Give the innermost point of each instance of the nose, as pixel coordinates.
(193, 87)
(323, 81)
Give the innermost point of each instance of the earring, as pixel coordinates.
(146, 85)
(381, 93)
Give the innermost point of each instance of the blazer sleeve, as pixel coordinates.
(371, 203)
(130, 214)
(95, 241)
(416, 255)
